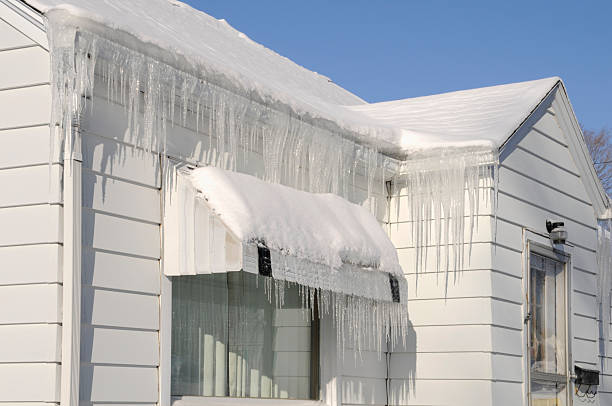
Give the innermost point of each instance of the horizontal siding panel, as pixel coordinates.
(443, 339)
(401, 234)
(25, 106)
(108, 157)
(508, 393)
(31, 225)
(120, 309)
(475, 365)
(520, 186)
(29, 382)
(30, 264)
(31, 185)
(470, 338)
(11, 38)
(585, 327)
(367, 364)
(30, 343)
(584, 282)
(123, 198)
(478, 256)
(550, 150)
(535, 167)
(507, 341)
(363, 391)
(585, 351)
(399, 207)
(405, 392)
(23, 67)
(450, 312)
(547, 124)
(30, 304)
(479, 283)
(507, 314)
(101, 383)
(507, 367)
(122, 347)
(118, 271)
(27, 146)
(112, 233)
(529, 216)
(585, 305)
(507, 261)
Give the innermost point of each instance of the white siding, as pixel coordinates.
(450, 352)
(468, 332)
(30, 224)
(121, 274)
(120, 351)
(539, 181)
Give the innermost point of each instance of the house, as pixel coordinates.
(137, 238)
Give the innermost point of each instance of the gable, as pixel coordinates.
(552, 135)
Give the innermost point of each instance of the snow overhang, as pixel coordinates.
(221, 221)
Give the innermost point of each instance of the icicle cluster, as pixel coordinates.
(156, 97)
(295, 151)
(604, 264)
(361, 323)
(444, 194)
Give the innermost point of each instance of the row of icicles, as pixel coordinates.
(232, 129)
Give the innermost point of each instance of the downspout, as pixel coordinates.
(71, 300)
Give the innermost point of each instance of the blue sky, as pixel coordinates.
(383, 50)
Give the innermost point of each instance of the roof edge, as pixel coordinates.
(578, 148)
(27, 20)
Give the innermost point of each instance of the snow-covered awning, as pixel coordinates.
(221, 221)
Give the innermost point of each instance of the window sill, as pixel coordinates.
(216, 401)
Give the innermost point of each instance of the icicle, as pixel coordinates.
(437, 189)
(295, 152)
(604, 264)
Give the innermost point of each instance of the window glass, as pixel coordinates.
(547, 343)
(546, 393)
(230, 339)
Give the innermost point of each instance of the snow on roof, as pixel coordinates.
(477, 117)
(471, 118)
(321, 228)
(213, 46)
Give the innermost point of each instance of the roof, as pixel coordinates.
(484, 117)
(322, 228)
(470, 118)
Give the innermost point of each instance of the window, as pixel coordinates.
(230, 339)
(547, 331)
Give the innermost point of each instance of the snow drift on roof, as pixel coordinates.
(483, 117)
(321, 228)
(471, 118)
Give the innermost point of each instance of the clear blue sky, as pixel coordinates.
(383, 50)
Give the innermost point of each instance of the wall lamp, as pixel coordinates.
(556, 231)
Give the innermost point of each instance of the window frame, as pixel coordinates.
(165, 366)
(564, 257)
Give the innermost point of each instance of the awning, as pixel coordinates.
(221, 221)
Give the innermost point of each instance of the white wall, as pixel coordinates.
(122, 183)
(467, 343)
(30, 221)
(451, 348)
(538, 181)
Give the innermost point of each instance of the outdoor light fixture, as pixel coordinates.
(556, 231)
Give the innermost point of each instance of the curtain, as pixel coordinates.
(230, 339)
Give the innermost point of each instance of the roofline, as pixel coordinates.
(577, 145)
(566, 118)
